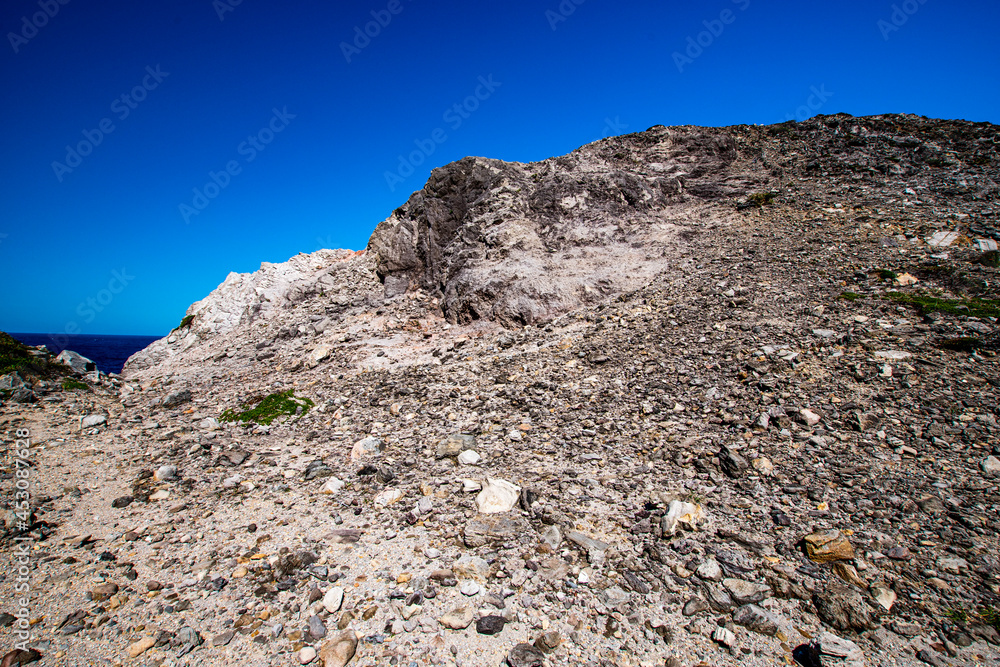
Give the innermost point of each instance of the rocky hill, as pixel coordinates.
(691, 396)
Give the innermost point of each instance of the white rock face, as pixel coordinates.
(245, 298)
(497, 496)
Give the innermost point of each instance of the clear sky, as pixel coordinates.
(150, 148)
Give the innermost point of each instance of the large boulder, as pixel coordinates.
(77, 362)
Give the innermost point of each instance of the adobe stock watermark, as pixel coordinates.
(706, 38)
(122, 106)
(223, 7)
(31, 25)
(454, 116)
(89, 308)
(561, 13)
(20, 567)
(381, 18)
(814, 103)
(249, 149)
(612, 128)
(901, 13)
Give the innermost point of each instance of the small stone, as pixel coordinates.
(454, 445)
(844, 609)
(710, 571)
(166, 473)
(469, 567)
(317, 629)
(886, 597)
(898, 553)
(340, 650)
(681, 515)
(745, 592)
(366, 447)
(388, 497)
(757, 619)
(827, 546)
(548, 641)
(333, 600)
(695, 606)
(223, 638)
(808, 417)
(94, 420)
(469, 457)
(306, 655)
(162, 494)
(458, 618)
(497, 496)
(525, 655)
(470, 588)
(490, 625)
(732, 464)
(725, 637)
(140, 647)
(991, 465)
(332, 486)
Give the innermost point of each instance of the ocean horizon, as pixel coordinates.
(108, 351)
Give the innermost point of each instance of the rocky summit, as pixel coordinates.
(686, 397)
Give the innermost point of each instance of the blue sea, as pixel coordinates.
(109, 352)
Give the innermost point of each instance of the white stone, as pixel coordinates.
(333, 599)
(306, 655)
(366, 447)
(469, 457)
(991, 464)
(94, 420)
(684, 514)
(162, 494)
(388, 497)
(471, 485)
(332, 486)
(497, 496)
(894, 355)
(810, 417)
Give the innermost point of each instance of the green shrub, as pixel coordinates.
(761, 199)
(70, 384)
(850, 296)
(932, 304)
(266, 409)
(186, 322)
(886, 274)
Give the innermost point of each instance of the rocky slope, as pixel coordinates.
(693, 396)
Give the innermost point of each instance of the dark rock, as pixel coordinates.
(490, 625)
(176, 398)
(732, 463)
(525, 655)
(844, 609)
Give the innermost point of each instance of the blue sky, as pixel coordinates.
(151, 148)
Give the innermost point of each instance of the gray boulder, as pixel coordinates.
(77, 362)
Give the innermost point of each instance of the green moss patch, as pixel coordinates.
(932, 304)
(850, 296)
(266, 409)
(70, 385)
